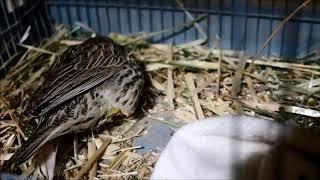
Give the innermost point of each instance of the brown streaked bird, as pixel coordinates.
(91, 81)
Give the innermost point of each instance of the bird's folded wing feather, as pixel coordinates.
(77, 82)
(79, 69)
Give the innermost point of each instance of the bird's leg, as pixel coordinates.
(108, 114)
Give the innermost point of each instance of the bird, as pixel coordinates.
(90, 83)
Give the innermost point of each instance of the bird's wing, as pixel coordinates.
(79, 69)
(76, 83)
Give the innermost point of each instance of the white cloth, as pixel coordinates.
(240, 147)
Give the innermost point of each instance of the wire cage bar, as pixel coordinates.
(16, 17)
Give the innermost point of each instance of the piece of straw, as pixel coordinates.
(275, 31)
(194, 96)
(88, 165)
(91, 151)
(170, 85)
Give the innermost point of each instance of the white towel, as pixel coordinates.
(240, 147)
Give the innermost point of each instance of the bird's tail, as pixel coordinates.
(27, 150)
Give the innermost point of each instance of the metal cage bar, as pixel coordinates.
(14, 20)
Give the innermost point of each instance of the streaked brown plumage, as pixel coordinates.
(89, 81)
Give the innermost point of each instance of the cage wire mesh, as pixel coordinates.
(16, 17)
